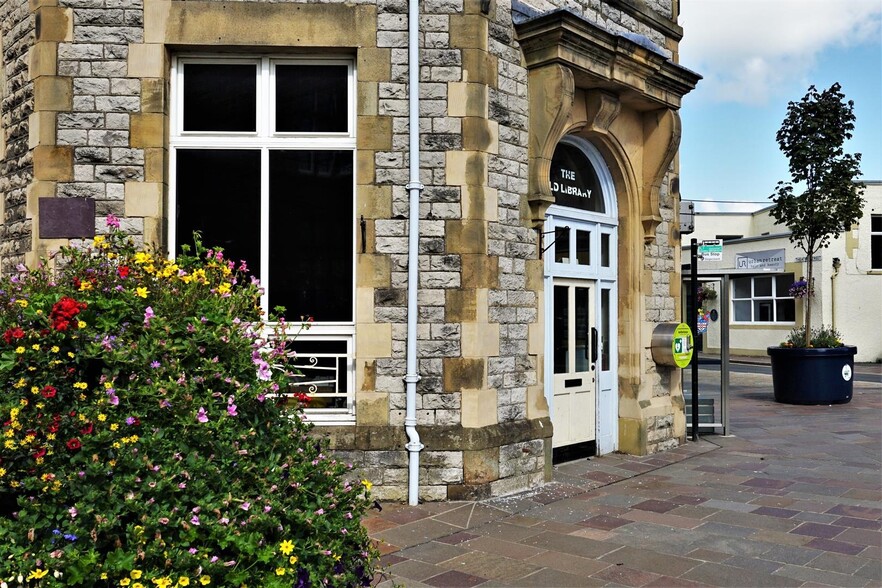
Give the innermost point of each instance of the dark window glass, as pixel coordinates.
(604, 249)
(562, 245)
(782, 285)
(604, 330)
(741, 288)
(583, 247)
(220, 97)
(762, 311)
(785, 311)
(561, 330)
(762, 286)
(311, 249)
(312, 98)
(876, 242)
(582, 336)
(741, 310)
(218, 194)
(573, 180)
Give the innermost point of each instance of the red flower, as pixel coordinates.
(53, 428)
(10, 334)
(40, 453)
(64, 311)
(48, 391)
(87, 430)
(76, 282)
(74, 444)
(123, 271)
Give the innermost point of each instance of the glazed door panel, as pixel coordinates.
(575, 349)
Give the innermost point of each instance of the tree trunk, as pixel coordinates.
(808, 301)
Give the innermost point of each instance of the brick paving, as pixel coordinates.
(792, 497)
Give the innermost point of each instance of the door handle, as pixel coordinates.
(593, 346)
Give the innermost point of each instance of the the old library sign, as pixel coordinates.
(574, 182)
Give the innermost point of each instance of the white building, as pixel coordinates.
(847, 280)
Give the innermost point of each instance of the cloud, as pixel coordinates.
(749, 50)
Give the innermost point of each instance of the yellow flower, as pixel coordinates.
(98, 240)
(35, 390)
(85, 286)
(55, 349)
(22, 303)
(223, 288)
(125, 582)
(35, 347)
(37, 574)
(50, 436)
(80, 385)
(183, 581)
(293, 559)
(114, 426)
(141, 257)
(20, 384)
(367, 485)
(137, 585)
(286, 547)
(19, 349)
(81, 324)
(136, 574)
(141, 291)
(280, 571)
(9, 444)
(2, 472)
(103, 576)
(162, 582)
(205, 580)
(70, 354)
(102, 417)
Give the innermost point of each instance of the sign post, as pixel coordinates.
(693, 324)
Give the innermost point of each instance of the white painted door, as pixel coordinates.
(574, 358)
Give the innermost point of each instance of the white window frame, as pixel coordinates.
(265, 139)
(773, 298)
(875, 237)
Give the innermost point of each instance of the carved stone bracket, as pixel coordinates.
(551, 101)
(601, 108)
(661, 132)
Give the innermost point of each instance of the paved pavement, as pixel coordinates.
(793, 497)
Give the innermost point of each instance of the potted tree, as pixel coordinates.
(813, 366)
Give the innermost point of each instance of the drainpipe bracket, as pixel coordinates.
(414, 446)
(414, 186)
(411, 378)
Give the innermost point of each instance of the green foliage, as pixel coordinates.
(148, 436)
(812, 137)
(821, 337)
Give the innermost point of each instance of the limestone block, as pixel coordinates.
(147, 129)
(143, 199)
(366, 377)
(467, 99)
(481, 466)
(374, 64)
(478, 408)
(34, 5)
(374, 132)
(364, 305)
(364, 167)
(53, 93)
(154, 231)
(152, 95)
(537, 404)
(469, 31)
(480, 134)
(53, 163)
(460, 305)
(461, 373)
(43, 59)
(480, 202)
(147, 60)
(480, 339)
(154, 164)
(373, 271)
(368, 98)
(373, 340)
(34, 192)
(372, 409)
(466, 168)
(41, 129)
(373, 202)
(480, 67)
(480, 271)
(53, 24)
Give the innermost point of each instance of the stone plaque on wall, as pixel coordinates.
(66, 218)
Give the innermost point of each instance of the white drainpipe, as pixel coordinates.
(414, 188)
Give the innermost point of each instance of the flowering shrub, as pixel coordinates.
(800, 289)
(145, 441)
(822, 337)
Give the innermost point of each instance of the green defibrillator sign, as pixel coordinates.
(682, 345)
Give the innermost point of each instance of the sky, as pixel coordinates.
(756, 56)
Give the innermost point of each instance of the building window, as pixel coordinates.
(763, 299)
(262, 162)
(876, 241)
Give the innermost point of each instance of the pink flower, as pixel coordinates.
(231, 410)
(320, 511)
(201, 416)
(194, 520)
(245, 505)
(112, 221)
(148, 314)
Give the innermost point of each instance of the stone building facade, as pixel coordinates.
(135, 107)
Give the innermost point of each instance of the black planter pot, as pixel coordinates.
(812, 376)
